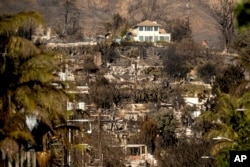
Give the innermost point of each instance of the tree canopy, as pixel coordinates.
(242, 14)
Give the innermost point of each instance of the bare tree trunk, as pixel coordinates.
(9, 161)
(28, 158)
(71, 17)
(222, 12)
(17, 162)
(33, 158)
(21, 158)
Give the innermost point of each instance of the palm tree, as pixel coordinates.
(26, 73)
(231, 122)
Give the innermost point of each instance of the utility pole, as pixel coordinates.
(188, 6)
(135, 86)
(99, 138)
(106, 59)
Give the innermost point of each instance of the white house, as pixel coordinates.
(66, 76)
(70, 105)
(150, 31)
(78, 106)
(81, 106)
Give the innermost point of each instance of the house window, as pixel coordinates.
(155, 38)
(140, 28)
(167, 38)
(161, 38)
(155, 28)
(140, 38)
(148, 38)
(148, 28)
(164, 38)
(70, 106)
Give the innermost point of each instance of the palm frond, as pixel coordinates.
(43, 158)
(219, 146)
(10, 24)
(80, 147)
(22, 136)
(208, 116)
(9, 146)
(21, 48)
(27, 74)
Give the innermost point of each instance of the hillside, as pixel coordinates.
(94, 13)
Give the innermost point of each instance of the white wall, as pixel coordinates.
(81, 106)
(70, 106)
(66, 76)
(152, 34)
(192, 100)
